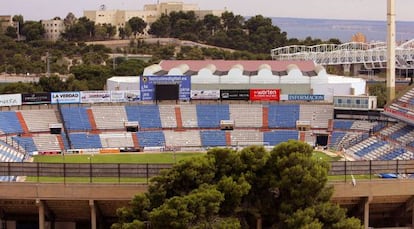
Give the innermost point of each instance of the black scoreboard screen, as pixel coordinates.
(167, 91)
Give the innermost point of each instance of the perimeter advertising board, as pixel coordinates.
(125, 96)
(205, 94)
(234, 94)
(306, 97)
(36, 98)
(265, 94)
(65, 97)
(95, 97)
(148, 86)
(10, 100)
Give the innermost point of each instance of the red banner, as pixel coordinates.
(265, 94)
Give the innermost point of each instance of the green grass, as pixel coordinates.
(86, 180)
(143, 158)
(349, 177)
(324, 156)
(117, 158)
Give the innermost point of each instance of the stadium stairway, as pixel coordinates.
(60, 141)
(92, 121)
(135, 141)
(178, 118)
(23, 123)
(265, 119)
(302, 136)
(228, 138)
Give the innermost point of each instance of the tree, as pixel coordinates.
(69, 20)
(379, 90)
(51, 84)
(137, 25)
(125, 32)
(131, 67)
(11, 32)
(32, 30)
(94, 76)
(161, 27)
(283, 188)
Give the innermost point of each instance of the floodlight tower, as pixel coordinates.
(390, 50)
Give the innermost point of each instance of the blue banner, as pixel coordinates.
(147, 86)
(307, 97)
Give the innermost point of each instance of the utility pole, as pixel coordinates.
(47, 65)
(390, 50)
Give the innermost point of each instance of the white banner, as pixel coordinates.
(205, 94)
(95, 97)
(10, 100)
(125, 96)
(65, 97)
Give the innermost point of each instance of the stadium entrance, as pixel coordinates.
(321, 140)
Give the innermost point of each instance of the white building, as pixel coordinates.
(291, 77)
(150, 13)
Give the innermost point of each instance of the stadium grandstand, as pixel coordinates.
(195, 105)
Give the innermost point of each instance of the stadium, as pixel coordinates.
(196, 105)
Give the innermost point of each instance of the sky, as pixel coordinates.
(329, 9)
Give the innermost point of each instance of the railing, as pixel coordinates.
(91, 171)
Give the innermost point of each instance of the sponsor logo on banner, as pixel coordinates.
(95, 97)
(307, 97)
(36, 98)
(265, 94)
(10, 100)
(125, 96)
(147, 86)
(205, 94)
(234, 94)
(65, 97)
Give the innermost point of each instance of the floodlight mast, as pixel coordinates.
(390, 50)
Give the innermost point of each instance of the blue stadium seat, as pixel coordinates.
(278, 136)
(210, 115)
(283, 116)
(151, 138)
(336, 137)
(76, 118)
(85, 141)
(343, 124)
(9, 123)
(26, 143)
(213, 138)
(148, 116)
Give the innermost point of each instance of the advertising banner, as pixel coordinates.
(147, 84)
(36, 98)
(265, 94)
(65, 97)
(95, 97)
(10, 100)
(306, 97)
(205, 94)
(125, 96)
(234, 94)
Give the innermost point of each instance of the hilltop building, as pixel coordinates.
(53, 28)
(5, 21)
(149, 14)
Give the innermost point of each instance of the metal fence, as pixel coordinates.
(129, 170)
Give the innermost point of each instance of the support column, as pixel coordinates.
(412, 215)
(93, 214)
(346, 68)
(41, 207)
(366, 212)
(390, 50)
